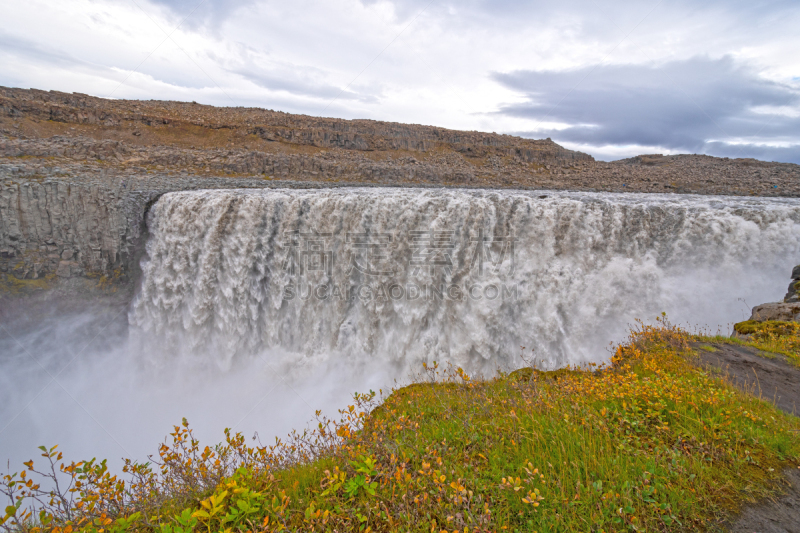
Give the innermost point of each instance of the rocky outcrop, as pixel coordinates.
(791, 295)
(272, 126)
(786, 311)
(62, 229)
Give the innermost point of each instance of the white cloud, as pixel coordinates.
(441, 69)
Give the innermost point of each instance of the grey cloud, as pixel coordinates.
(31, 50)
(514, 9)
(787, 154)
(296, 80)
(34, 54)
(203, 12)
(681, 105)
(261, 68)
(406, 8)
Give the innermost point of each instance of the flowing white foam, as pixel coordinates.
(331, 275)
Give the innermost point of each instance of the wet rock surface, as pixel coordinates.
(791, 295)
(786, 311)
(772, 378)
(776, 380)
(779, 516)
(777, 311)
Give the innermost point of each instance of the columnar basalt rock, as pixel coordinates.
(792, 295)
(64, 228)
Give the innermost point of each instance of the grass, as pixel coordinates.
(647, 443)
(708, 348)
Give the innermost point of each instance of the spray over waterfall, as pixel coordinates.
(407, 275)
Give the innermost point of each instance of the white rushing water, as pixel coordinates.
(225, 332)
(401, 276)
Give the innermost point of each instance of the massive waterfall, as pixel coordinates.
(401, 276)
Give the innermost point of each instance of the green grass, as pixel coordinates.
(649, 443)
(708, 348)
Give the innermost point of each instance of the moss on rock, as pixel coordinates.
(10, 284)
(767, 328)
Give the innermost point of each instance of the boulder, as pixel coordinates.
(791, 294)
(782, 311)
(63, 270)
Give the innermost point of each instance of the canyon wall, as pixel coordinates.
(58, 228)
(63, 225)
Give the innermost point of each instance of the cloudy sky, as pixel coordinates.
(613, 79)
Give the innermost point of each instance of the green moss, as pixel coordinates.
(770, 338)
(767, 328)
(12, 285)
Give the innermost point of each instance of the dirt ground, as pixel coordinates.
(774, 379)
(779, 516)
(769, 377)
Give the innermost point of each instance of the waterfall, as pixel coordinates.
(401, 276)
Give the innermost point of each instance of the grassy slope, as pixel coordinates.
(650, 443)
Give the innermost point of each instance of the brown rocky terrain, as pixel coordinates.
(52, 133)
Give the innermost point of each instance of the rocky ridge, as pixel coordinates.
(138, 136)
